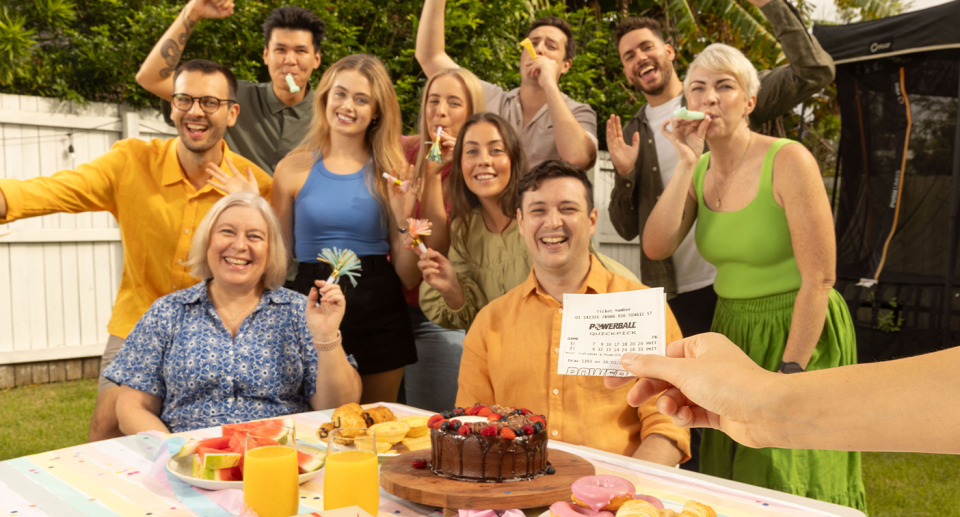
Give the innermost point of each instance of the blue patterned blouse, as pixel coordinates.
(181, 351)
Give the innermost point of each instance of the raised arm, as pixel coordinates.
(810, 68)
(431, 49)
(624, 199)
(676, 210)
(337, 380)
(156, 72)
(904, 405)
(798, 187)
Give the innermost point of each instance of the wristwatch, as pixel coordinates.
(790, 367)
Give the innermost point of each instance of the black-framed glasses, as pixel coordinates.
(208, 104)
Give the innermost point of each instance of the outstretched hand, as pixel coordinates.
(233, 182)
(687, 137)
(324, 319)
(707, 381)
(623, 155)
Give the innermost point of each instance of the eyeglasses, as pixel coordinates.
(209, 105)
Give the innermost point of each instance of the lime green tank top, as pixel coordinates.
(751, 247)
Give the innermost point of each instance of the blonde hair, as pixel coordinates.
(383, 133)
(275, 272)
(724, 58)
(476, 102)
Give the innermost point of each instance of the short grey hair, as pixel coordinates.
(276, 270)
(724, 58)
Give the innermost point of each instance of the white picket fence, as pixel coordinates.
(59, 273)
(606, 239)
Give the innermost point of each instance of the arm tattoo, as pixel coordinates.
(171, 50)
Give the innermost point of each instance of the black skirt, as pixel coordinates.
(376, 328)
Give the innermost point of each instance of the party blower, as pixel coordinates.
(418, 228)
(344, 263)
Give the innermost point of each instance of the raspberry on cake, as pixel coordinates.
(488, 444)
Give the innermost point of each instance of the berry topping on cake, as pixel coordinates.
(464, 430)
(538, 418)
(493, 417)
(434, 421)
(419, 464)
(537, 427)
(490, 430)
(527, 429)
(455, 425)
(444, 426)
(484, 412)
(508, 433)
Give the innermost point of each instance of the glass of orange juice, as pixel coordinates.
(271, 480)
(350, 473)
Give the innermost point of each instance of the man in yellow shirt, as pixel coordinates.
(158, 191)
(511, 352)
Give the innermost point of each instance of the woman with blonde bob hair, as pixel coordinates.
(449, 98)
(764, 221)
(330, 193)
(236, 346)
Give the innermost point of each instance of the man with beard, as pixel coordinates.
(645, 159)
(511, 352)
(551, 125)
(158, 191)
(274, 118)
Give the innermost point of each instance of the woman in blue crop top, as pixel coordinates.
(329, 193)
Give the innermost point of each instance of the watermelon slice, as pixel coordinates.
(225, 474)
(215, 459)
(230, 429)
(309, 462)
(222, 442)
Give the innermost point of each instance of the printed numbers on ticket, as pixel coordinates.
(597, 329)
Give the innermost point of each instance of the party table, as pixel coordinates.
(121, 478)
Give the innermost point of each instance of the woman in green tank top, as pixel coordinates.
(765, 223)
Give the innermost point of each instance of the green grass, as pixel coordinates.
(45, 417)
(53, 416)
(917, 485)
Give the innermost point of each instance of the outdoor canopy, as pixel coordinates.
(898, 81)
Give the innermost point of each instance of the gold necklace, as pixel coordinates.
(735, 169)
(232, 316)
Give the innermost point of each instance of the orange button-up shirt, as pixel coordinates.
(510, 357)
(155, 205)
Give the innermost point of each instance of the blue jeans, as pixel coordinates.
(431, 382)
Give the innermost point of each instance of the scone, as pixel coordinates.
(418, 426)
(390, 432)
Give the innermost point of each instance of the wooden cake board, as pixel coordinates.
(398, 477)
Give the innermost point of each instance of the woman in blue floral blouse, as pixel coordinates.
(236, 346)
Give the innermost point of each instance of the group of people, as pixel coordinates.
(224, 313)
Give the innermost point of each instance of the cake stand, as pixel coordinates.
(398, 477)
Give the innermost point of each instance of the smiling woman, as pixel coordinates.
(329, 193)
(236, 346)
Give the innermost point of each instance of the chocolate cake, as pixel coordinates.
(488, 444)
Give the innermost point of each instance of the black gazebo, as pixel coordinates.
(898, 82)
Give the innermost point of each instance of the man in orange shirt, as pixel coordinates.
(511, 352)
(158, 191)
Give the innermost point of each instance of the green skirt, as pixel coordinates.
(760, 327)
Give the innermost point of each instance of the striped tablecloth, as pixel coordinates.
(121, 478)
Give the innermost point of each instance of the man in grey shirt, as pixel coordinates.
(551, 125)
(273, 119)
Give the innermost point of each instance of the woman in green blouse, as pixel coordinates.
(487, 255)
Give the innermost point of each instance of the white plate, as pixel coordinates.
(180, 467)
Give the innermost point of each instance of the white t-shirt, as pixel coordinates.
(693, 271)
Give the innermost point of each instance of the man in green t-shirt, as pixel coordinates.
(273, 118)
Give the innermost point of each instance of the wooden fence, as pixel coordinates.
(59, 273)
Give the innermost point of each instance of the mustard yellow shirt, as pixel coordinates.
(497, 263)
(157, 209)
(510, 357)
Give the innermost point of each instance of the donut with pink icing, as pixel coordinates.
(602, 492)
(565, 509)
